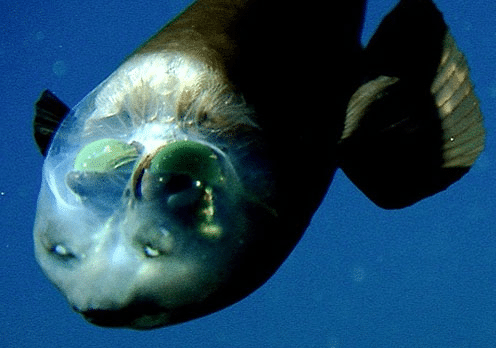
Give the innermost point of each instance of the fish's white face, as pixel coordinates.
(146, 215)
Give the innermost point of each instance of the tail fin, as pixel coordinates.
(415, 127)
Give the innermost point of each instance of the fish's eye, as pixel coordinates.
(190, 158)
(105, 155)
(178, 173)
(101, 171)
(187, 176)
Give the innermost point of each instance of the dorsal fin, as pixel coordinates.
(49, 113)
(415, 127)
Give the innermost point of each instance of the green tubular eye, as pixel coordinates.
(188, 157)
(105, 155)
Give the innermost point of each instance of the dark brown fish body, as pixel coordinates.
(181, 183)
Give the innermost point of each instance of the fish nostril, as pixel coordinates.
(62, 252)
(155, 241)
(151, 251)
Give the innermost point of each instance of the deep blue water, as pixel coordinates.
(424, 276)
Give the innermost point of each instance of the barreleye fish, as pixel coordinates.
(181, 183)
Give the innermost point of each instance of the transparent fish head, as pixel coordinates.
(144, 222)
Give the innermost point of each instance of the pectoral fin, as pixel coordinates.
(415, 127)
(49, 113)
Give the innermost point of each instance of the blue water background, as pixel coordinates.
(424, 276)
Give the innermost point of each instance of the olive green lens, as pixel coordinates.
(105, 155)
(188, 157)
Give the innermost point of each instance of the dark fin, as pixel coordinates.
(415, 127)
(49, 113)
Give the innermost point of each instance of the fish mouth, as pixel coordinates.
(143, 316)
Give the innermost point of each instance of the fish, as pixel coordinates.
(181, 183)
